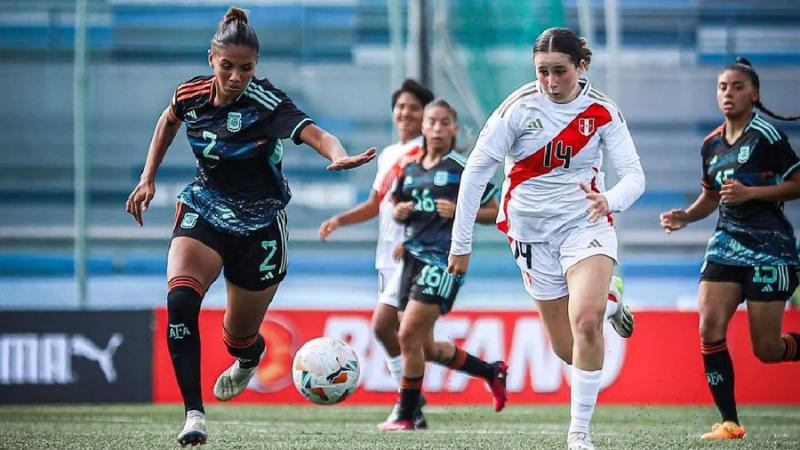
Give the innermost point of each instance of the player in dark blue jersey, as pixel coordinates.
(749, 170)
(425, 197)
(232, 216)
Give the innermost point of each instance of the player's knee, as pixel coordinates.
(588, 325)
(408, 339)
(384, 330)
(768, 352)
(711, 329)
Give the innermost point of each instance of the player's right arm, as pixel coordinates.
(166, 129)
(360, 213)
(495, 141)
(706, 203)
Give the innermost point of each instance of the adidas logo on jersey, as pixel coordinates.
(535, 124)
(594, 244)
(192, 115)
(767, 288)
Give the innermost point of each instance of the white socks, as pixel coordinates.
(395, 367)
(585, 385)
(611, 307)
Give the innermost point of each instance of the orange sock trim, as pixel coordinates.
(790, 354)
(234, 342)
(458, 359)
(184, 281)
(411, 383)
(714, 347)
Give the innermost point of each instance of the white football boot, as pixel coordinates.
(579, 441)
(194, 430)
(622, 320)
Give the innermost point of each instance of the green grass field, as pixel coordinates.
(343, 427)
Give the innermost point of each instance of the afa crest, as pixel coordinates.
(189, 220)
(744, 154)
(586, 126)
(440, 178)
(234, 121)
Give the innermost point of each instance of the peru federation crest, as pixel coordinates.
(234, 122)
(586, 126)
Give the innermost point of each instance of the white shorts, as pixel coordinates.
(544, 264)
(388, 282)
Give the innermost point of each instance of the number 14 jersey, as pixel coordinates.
(548, 149)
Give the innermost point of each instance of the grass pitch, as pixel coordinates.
(346, 427)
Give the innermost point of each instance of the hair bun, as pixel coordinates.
(743, 61)
(235, 13)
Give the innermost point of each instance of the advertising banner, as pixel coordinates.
(660, 364)
(75, 356)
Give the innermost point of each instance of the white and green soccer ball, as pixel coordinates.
(325, 370)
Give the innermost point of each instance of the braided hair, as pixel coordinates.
(744, 66)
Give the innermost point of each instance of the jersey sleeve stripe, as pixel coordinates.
(254, 91)
(519, 94)
(267, 93)
(791, 169)
(194, 94)
(298, 127)
(260, 100)
(186, 88)
(757, 126)
(195, 83)
(460, 159)
(768, 128)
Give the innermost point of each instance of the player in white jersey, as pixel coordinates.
(407, 106)
(552, 135)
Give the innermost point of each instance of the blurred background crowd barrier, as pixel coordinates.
(340, 60)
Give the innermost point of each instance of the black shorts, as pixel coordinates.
(759, 283)
(253, 262)
(427, 283)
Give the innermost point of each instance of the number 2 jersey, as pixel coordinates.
(548, 149)
(239, 186)
(756, 232)
(427, 234)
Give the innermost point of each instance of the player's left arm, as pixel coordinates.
(622, 152)
(331, 148)
(785, 163)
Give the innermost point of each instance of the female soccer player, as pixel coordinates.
(233, 215)
(407, 105)
(424, 202)
(553, 134)
(749, 170)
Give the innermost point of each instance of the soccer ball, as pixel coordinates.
(325, 370)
